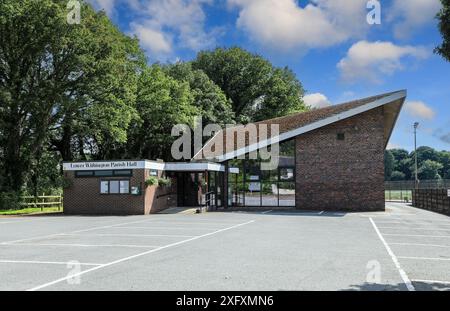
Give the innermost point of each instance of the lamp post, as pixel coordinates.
(416, 125)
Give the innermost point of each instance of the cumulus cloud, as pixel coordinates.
(162, 25)
(316, 100)
(391, 146)
(152, 39)
(285, 25)
(420, 110)
(372, 60)
(409, 15)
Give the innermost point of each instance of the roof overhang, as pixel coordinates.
(392, 105)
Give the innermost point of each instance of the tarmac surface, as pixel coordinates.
(401, 249)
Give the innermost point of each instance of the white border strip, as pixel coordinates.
(403, 274)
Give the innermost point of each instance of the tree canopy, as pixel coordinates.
(444, 27)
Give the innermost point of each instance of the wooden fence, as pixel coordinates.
(43, 201)
(436, 200)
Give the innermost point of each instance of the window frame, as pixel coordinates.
(119, 188)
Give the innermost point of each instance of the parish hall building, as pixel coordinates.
(329, 159)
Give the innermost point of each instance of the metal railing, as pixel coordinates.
(402, 191)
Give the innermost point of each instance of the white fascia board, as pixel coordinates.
(313, 126)
(185, 167)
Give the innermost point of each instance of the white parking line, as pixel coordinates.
(136, 256)
(414, 228)
(403, 274)
(48, 262)
(418, 235)
(166, 228)
(81, 245)
(420, 244)
(321, 213)
(76, 231)
(424, 258)
(128, 235)
(266, 212)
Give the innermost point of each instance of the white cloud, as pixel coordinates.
(372, 60)
(152, 39)
(316, 100)
(285, 25)
(393, 146)
(409, 15)
(420, 110)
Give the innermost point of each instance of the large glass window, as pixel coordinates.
(259, 184)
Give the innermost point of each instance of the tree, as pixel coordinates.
(257, 90)
(429, 170)
(161, 102)
(212, 102)
(444, 26)
(389, 164)
(397, 176)
(59, 79)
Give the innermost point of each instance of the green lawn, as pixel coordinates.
(398, 195)
(29, 210)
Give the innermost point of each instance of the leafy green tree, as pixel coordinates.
(162, 102)
(389, 164)
(444, 27)
(257, 90)
(444, 159)
(61, 80)
(429, 170)
(397, 176)
(212, 102)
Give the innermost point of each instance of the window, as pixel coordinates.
(153, 173)
(104, 187)
(340, 136)
(103, 173)
(286, 173)
(115, 186)
(84, 173)
(123, 173)
(124, 186)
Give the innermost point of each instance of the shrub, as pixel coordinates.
(9, 200)
(165, 182)
(152, 181)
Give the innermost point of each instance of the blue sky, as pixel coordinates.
(335, 53)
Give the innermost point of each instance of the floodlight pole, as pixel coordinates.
(416, 125)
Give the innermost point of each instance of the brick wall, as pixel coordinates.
(347, 174)
(83, 196)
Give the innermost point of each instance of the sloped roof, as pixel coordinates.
(299, 123)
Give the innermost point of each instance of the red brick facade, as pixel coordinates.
(83, 196)
(348, 174)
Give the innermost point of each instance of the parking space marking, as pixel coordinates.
(424, 258)
(49, 262)
(266, 212)
(414, 228)
(166, 228)
(137, 255)
(321, 212)
(75, 231)
(418, 235)
(128, 235)
(403, 274)
(419, 244)
(81, 245)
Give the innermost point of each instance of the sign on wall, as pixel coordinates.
(104, 165)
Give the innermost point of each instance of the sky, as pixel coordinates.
(329, 44)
